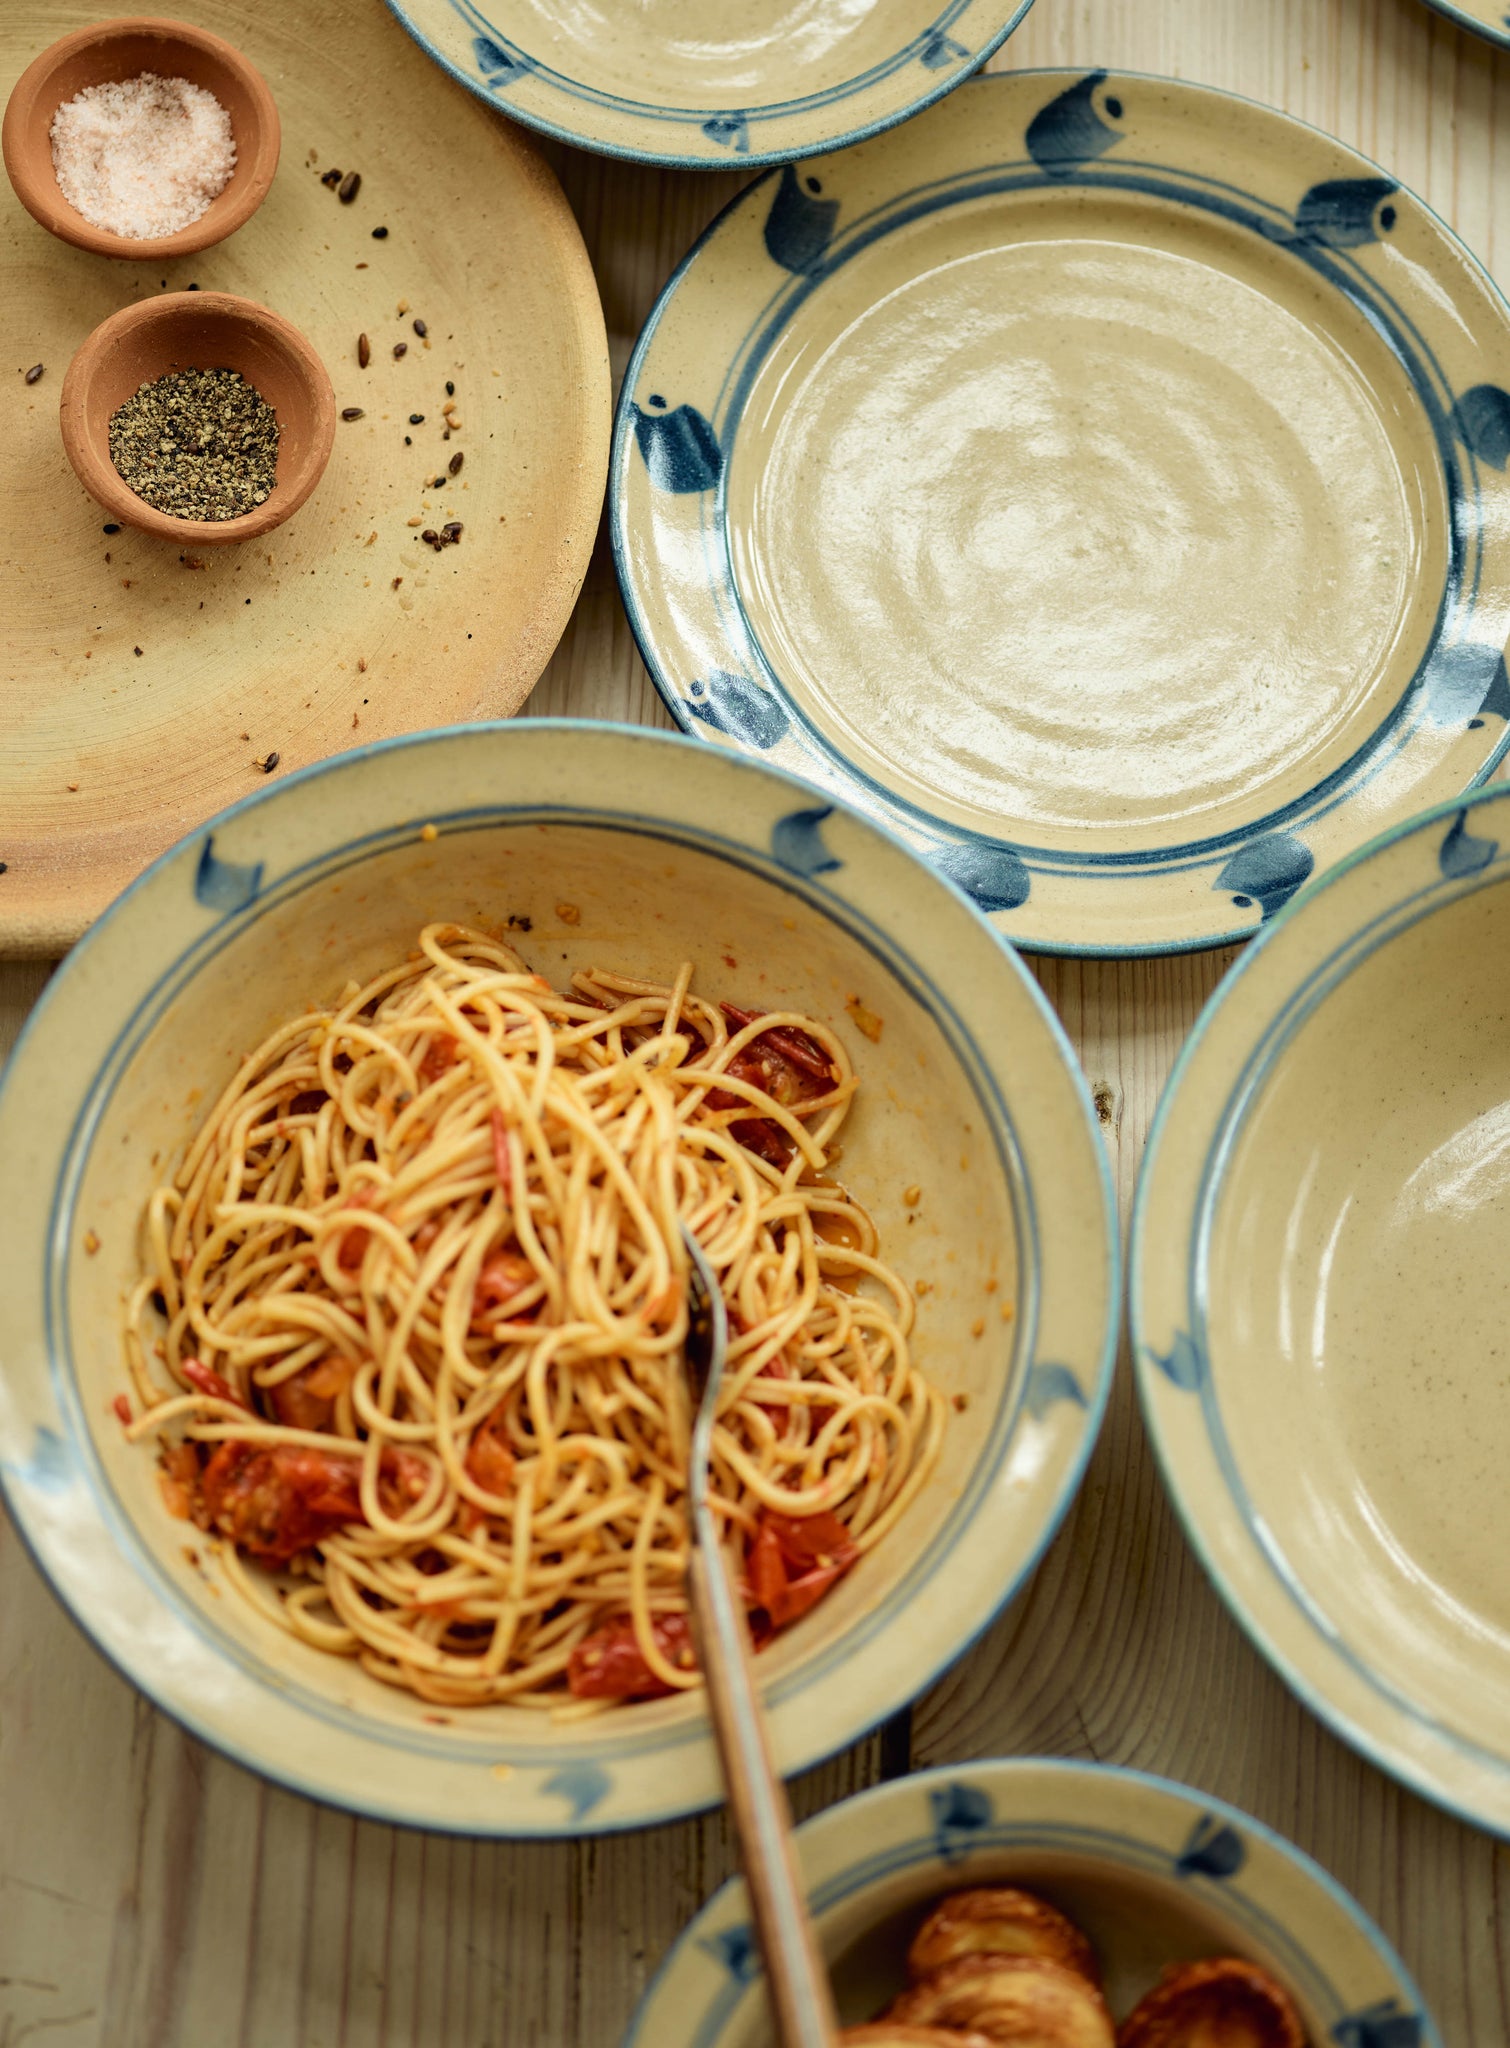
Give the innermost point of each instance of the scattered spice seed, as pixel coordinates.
(111, 527)
(73, 785)
(33, 373)
(352, 412)
(364, 350)
(978, 1327)
(91, 1243)
(439, 484)
(380, 234)
(421, 329)
(332, 178)
(400, 348)
(450, 391)
(417, 520)
(568, 913)
(201, 444)
(455, 463)
(351, 184)
(431, 536)
(416, 419)
(4, 867)
(408, 440)
(912, 1196)
(452, 531)
(361, 664)
(403, 307)
(428, 832)
(397, 581)
(136, 650)
(268, 765)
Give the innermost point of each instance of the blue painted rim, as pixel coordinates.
(1192, 1802)
(673, 159)
(75, 1155)
(1377, 1750)
(863, 791)
(1463, 19)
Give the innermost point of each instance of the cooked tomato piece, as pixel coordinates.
(274, 1500)
(504, 1276)
(308, 1400)
(490, 1460)
(812, 1539)
(501, 1153)
(609, 1665)
(440, 1054)
(793, 1561)
(788, 1044)
(208, 1381)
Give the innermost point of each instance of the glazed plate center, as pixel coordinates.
(1360, 1321)
(706, 53)
(1056, 517)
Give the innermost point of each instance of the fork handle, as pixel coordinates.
(801, 2002)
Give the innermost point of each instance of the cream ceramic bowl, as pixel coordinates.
(1153, 1872)
(664, 853)
(1489, 18)
(1102, 479)
(1320, 1297)
(718, 85)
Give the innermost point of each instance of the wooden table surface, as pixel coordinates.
(155, 1896)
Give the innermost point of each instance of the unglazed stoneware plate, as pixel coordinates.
(1489, 18)
(665, 852)
(147, 683)
(1320, 1300)
(720, 84)
(1101, 479)
(1153, 1872)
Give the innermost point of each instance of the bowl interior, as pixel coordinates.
(1358, 1299)
(644, 904)
(192, 330)
(112, 57)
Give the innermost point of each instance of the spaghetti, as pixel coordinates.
(419, 1291)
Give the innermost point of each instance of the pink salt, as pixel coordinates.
(144, 157)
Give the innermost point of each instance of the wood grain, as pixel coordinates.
(155, 1896)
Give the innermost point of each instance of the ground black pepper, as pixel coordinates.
(331, 178)
(111, 527)
(380, 234)
(450, 390)
(200, 444)
(416, 419)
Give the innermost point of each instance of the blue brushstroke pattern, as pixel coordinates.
(1463, 682)
(1461, 854)
(679, 449)
(958, 1812)
(1068, 132)
(1482, 416)
(995, 876)
(224, 884)
(1185, 1363)
(1267, 871)
(496, 65)
(1214, 1849)
(940, 51)
(581, 1785)
(797, 842)
(1343, 213)
(736, 705)
(800, 224)
(1385, 2025)
(49, 1469)
(737, 1949)
(1048, 1384)
(731, 130)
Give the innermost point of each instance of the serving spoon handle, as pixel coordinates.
(801, 2002)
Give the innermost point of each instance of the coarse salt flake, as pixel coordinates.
(144, 157)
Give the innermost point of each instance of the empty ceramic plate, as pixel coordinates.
(713, 84)
(1489, 18)
(1101, 479)
(1320, 1300)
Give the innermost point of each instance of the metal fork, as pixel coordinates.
(801, 2002)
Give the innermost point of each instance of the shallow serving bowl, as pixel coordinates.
(205, 331)
(664, 852)
(1320, 1300)
(720, 85)
(106, 53)
(1153, 1872)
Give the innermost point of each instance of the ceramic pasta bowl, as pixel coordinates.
(1102, 480)
(1319, 1300)
(1152, 1872)
(726, 84)
(974, 1142)
(1488, 18)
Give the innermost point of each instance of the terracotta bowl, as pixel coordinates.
(106, 53)
(198, 330)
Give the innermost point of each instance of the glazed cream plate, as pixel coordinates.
(1489, 18)
(715, 84)
(1320, 1300)
(1152, 1872)
(1101, 479)
(145, 685)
